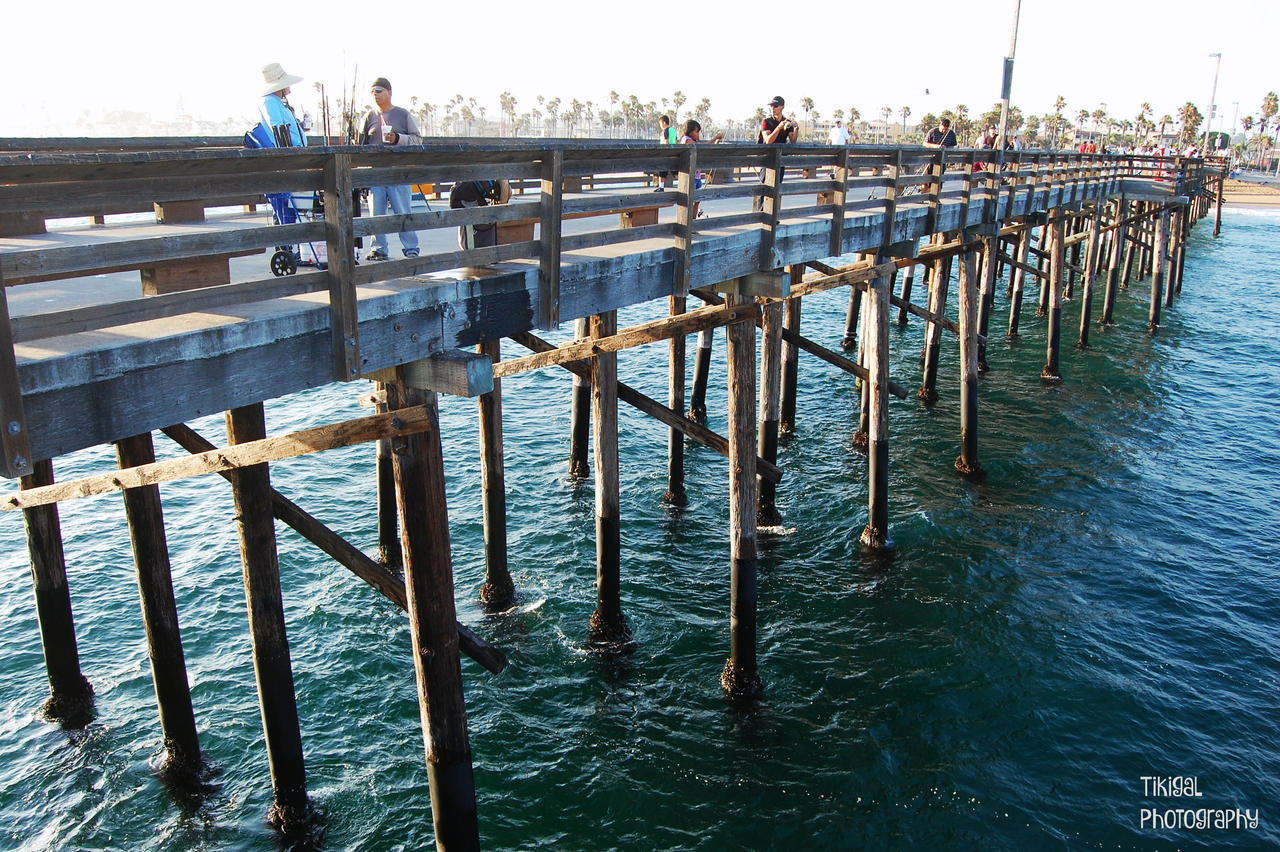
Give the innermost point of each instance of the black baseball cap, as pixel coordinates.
(381, 83)
(777, 101)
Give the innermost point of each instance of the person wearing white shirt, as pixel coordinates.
(838, 135)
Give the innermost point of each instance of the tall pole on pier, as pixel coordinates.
(1208, 117)
(1007, 83)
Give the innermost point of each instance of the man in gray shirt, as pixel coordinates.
(389, 125)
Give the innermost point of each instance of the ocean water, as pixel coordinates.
(1101, 609)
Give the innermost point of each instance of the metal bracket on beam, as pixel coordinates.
(453, 371)
(906, 248)
(770, 285)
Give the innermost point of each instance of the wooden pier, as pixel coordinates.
(799, 220)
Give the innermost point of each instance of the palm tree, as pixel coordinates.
(553, 112)
(1059, 104)
(1190, 117)
(678, 99)
(886, 112)
(906, 111)
(806, 104)
(507, 104)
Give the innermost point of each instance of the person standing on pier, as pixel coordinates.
(941, 136)
(775, 130)
(389, 125)
(838, 135)
(278, 119)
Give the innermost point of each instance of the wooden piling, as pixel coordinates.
(580, 417)
(790, 366)
(1217, 213)
(388, 525)
(1071, 228)
(608, 626)
(1051, 372)
(1086, 298)
(1183, 234)
(938, 285)
(701, 373)
(1118, 243)
(160, 614)
(70, 695)
(1043, 262)
(850, 338)
(1158, 270)
(875, 536)
(498, 590)
(907, 281)
(770, 406)
(428, 574)
(741, 676)
(986, 296)
(967, 462)
(676, 495)
(1130, 246)
(251, 490)
(1017, 279)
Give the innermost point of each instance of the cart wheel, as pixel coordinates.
(283, 263)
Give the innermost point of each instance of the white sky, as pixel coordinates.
(67, 56)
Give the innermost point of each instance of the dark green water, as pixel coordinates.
(1103, 608)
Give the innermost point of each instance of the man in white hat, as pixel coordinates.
(277, 116)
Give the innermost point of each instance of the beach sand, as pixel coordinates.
(1239, 193)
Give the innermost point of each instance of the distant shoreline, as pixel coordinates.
(1238, 193)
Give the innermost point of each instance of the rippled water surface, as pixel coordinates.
(1101, 609)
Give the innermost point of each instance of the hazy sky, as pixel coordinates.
(62, 58)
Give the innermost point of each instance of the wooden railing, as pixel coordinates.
(837, 183)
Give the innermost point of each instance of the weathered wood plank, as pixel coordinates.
(637, 335)
(358, 431)
(658, 411)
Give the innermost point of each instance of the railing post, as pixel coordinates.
(549, 239)
(935, 189)
(685, 217)
(841, 175)
(340, 245)
(13, 420)
(771, 204)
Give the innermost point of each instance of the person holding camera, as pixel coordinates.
(775, 130)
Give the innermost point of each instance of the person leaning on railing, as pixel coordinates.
(389, 125)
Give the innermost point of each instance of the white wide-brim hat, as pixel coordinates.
(277, 79)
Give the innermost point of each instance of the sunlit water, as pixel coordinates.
(1101, 609)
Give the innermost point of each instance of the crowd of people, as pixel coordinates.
(390, 125)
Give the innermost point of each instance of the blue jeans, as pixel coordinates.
(398, 198)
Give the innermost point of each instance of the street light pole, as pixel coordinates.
(1007, 82)
(1208, 120)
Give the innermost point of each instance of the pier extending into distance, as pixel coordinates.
(196, 343)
